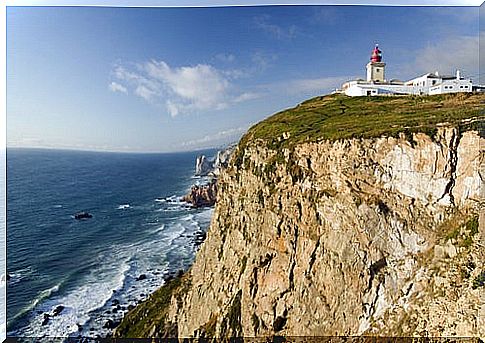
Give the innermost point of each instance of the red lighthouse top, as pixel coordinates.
(376, 55)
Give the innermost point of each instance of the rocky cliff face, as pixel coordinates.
(212, 167)
(348, 237)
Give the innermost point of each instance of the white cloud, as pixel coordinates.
(282, 33)
(262, 60)
(200, 87)
(116, 87)
(247, 96)
(190, 88)
(459, 52)
(145, 92)
(218, 137)
(308, 86)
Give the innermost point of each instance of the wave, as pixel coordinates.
(20, 274)
(158, 229)
(123, 207)
(114, 277)
(77, 304)
(37, 300)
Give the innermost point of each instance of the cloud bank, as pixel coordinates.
(182, 89)
(460, 52)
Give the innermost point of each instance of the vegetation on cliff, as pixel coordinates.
(341, 117)
(149, 318)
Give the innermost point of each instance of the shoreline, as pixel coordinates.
(161, 237)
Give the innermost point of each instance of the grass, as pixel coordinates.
(337, 116)
(139, 322)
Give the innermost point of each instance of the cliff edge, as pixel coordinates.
(341, 216)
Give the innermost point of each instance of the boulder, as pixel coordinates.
(141, 277)
(47, 316)
(202, 196)
(57, 310)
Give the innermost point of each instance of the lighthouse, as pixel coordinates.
(376, 68)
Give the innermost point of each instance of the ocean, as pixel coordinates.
(72, 277)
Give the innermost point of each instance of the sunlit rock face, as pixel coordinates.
(360, 236)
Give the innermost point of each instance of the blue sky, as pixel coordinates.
(171, 79)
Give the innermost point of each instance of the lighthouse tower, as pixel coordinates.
(376, 68)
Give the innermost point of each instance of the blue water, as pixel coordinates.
(139, 226)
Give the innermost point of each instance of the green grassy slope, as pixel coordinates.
(338, 116)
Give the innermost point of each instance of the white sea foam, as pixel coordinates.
(114, 277)
(20, 274)
(123, 207)
(40, 297)
(158, 229)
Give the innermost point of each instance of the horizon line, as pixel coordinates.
(110, 151)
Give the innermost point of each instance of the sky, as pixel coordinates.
(176, 79)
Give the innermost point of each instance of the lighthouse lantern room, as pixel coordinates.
(376, 68)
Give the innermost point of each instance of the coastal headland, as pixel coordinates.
(341, 216)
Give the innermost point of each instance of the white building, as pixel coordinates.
(376, 84)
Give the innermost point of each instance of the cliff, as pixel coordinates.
(342, 216)
(212, 167)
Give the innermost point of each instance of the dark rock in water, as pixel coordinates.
(79, 327)
(115, 310)
(180, 273)
(108, 311)
(141, 277)
(47, 316)
(110, 324)
(168, 278)
(202, 196)
(57, 310)
(115, 302)
(92, 329)
(83, 215)
(142, 295)
(130, 307)
(199, 238)
(118, 307)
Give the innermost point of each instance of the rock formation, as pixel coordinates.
(203, 166)
(374, 236)
(212, 167)
(202, 196)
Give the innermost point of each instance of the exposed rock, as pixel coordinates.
(57, 310)
(212, 167)
(203, 166)
(356, 236)
(82, 215)
(141, 277)
(202, 196)
(110, 324)
(46, 318)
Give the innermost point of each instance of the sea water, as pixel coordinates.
(92, 267)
